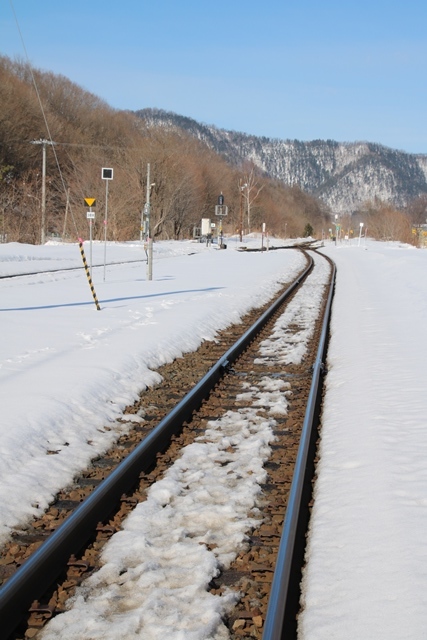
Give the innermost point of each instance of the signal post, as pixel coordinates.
(221, 210)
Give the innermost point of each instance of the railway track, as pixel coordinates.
(17, 276)
(264, 374)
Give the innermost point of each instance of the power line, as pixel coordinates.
(50, 141)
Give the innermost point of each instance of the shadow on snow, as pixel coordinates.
(85, 304)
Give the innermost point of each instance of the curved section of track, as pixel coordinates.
(43, 567)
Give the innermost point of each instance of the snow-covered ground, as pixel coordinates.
(67, 371)
(367, 556)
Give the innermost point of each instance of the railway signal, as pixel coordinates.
(221, 210)
(107, 175)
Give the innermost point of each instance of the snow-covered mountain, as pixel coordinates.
(343, 175)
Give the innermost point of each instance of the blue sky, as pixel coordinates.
(298, 69)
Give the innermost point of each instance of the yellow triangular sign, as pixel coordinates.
(90, 202)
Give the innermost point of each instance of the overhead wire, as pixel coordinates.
(51, 142)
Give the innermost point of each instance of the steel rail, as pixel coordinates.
(40, 570)
(125, 262)
(79, 268)
(283, 604)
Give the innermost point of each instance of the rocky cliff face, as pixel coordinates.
(343, 175)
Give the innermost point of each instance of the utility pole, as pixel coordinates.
(67, 204)
(43, 142)
(149, 239)
(241, 207)
(241, 211)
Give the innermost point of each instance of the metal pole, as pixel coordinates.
(43, 221)
(90, 245)
(360, 232)
(241, 212)
(43, 202)
(105, 226)
(149, 238)
(248, 206)
(67, 204)
(242, 187)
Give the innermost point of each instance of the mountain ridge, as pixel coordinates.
(344, 175)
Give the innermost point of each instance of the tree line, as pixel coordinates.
(84, 134)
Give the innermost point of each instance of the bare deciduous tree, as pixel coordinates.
(251, 190)
(89, 135)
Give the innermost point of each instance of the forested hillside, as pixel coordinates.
(295, 188)
(344, 175)
(84, 135)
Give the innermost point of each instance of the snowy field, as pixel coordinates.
(67, 371)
